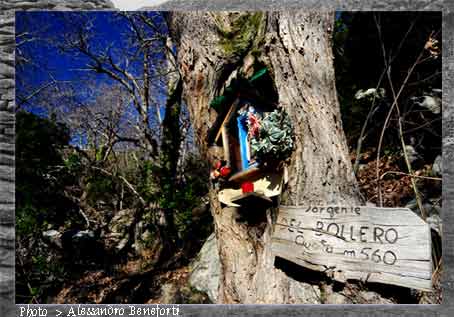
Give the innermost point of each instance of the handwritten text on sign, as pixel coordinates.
(387, 245)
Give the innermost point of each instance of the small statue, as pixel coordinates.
(253, 121)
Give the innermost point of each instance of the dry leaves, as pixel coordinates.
(396, 189)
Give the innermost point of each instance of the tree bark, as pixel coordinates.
(296, 48)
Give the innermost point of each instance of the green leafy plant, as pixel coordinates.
(275, 140)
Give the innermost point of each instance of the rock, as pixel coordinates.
(80, 244)
(53, 237)
(373, 298)
(437, 92)
(138, 244)
(119, 230)
(169, 294)
(435, 223)
(304, 293)
(371, 92)
(206, 269)
(429, 102)
(83, 241)
(352, 295)
(437, 167)
(121, 220)
(142, 241)
(412, 154)
(331, 297)
(84, 235)
(121, 244)
(336, 299)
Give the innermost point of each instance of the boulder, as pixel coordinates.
(206, 269)
(437, 167)
(413, 155)
(84, 235)
(370, 93)
(83, 241)
(429, 102)
(80, 244)
(304, 293)
(370, 297)
(336, 299)
(53, 237)
(435, 223)
(119, 230)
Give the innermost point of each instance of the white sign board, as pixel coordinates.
(386, 245)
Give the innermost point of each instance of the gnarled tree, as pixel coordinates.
(296, 48)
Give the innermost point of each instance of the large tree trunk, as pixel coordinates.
(296, 48)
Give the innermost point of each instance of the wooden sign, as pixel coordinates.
(386, 245)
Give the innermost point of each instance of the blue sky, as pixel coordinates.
(45, 35)
(48, 31)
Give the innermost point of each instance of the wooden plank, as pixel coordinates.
(225, 144)
(227, 118)
(385, 245)
(251, 174)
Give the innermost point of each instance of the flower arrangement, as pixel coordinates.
(272, 138)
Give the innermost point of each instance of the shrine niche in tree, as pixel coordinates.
(235, 136)
(255, 137)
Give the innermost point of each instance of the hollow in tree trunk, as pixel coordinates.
(296, 49)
